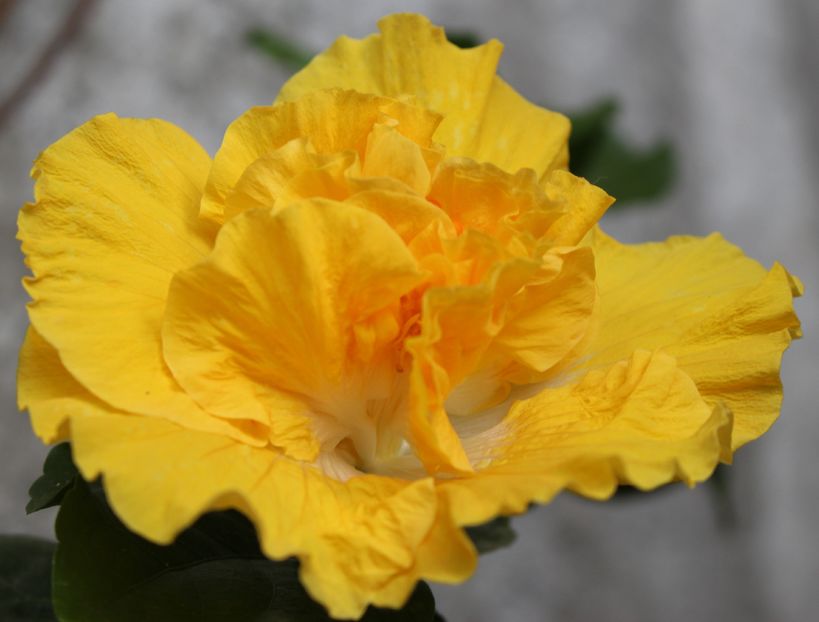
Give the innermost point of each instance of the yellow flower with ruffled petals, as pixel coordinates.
(380, 314)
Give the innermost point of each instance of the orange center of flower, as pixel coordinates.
(364, 288)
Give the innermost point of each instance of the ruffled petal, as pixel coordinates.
(409, 216)
(289, 316)
(640, 421)
(115, 217)
(585, 206)
(484, 118)
(364, 541)
(331, 121)
(293, 172)
(457, 325)
(548, 318)
(391, 155)
(725, 318)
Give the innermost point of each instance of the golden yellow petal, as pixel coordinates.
(550, 315)
(293, 172)
(541, 324)
(640, 421)
(116, 215)
(296, 509)
(48, 391)
(487, 199)
(586, 205)
(331, 121)
(725, 318)
(457, 325)
(389, 154)
(273, 325)
(484, 118)
(515, 134)
(364, 541)
(407, 214)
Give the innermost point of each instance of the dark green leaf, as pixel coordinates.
(213, 572)
(58, 475)
(463, 38)
(25, 579)
(491, 536)
(599, 155)
(588, 128)
(625, 492)
(278, 48)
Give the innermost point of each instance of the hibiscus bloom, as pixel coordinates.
(383, 312)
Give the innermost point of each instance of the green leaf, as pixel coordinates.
(278, 48)
(58, 475)
(25, 579)
(213, 572)
(491, 536)
(602, 157)
(463, 38)
(588, 127)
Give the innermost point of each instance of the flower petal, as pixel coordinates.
(331, 121)
(549, 317)
(115, 218)
(49, 392)
(292, 172)
(640, 421)
(367, 540)
(390, 154)
(407, 214)
(586, 205)
(279, 314)
(720, 313)
(457, 326)
(484, 118)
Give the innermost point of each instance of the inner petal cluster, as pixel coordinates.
(365, 289)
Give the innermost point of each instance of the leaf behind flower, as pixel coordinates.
(58, 475)
(491, 536)
(213, 572)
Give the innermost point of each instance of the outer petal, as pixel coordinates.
(641, 421)
(364, 541)
(49, 392)
(115, 218)
(288, 309)
(297, 510)
(484, 118)
(725, 319)
(331, 121)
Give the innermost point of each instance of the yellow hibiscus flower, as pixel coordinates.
(380, 314)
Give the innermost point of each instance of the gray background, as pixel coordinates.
(735, 85)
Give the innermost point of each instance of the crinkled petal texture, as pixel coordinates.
(380, 314)
(484, 118)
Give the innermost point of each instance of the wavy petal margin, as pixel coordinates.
(724, 317)
(640, 421)
(484, 118)
(115, 217)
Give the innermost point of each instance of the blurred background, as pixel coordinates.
(732, 86)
